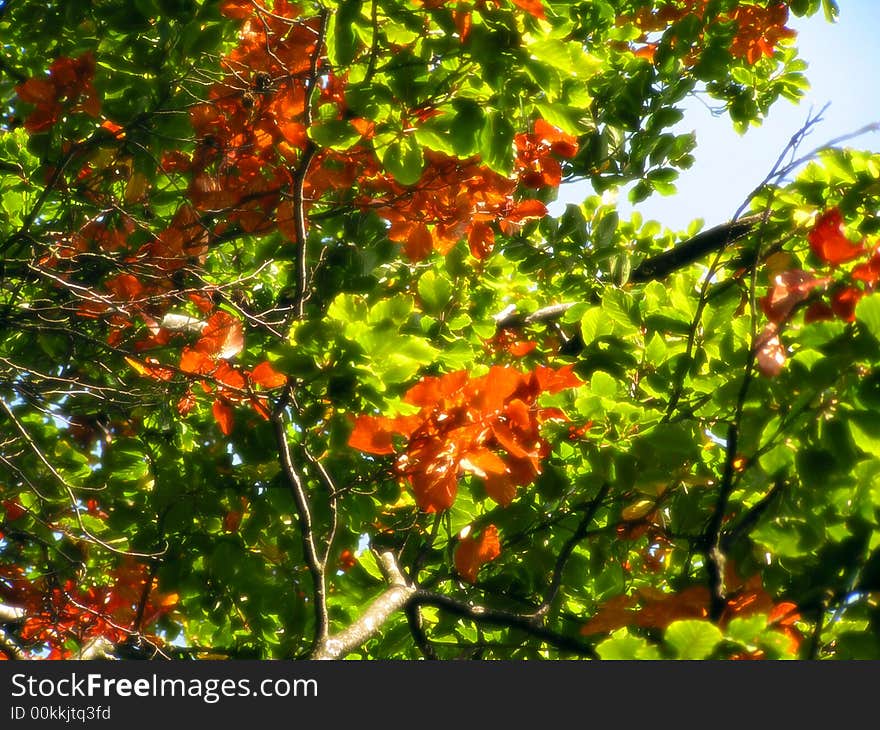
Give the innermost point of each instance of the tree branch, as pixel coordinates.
(503, 619)
(316, 566)
(652, 269)
(301, 285)
(704, 243)
(579, 534)
(395, 598)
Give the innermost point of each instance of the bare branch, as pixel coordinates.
(296, 483)
(395, 598)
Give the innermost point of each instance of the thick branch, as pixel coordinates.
(652, 269)
(514, 319)
(715, 239)
(395, 598)
(301, 285)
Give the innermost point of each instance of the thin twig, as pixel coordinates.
(316, 567)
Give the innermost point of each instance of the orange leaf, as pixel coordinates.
(229, 376)
(482, 462)
(223, 336)
(552, 381)
(435, 486)
(419, 243)
(286, 221)
(646, 52)
(500, 383)
(223, 415)
(532, 7)
(195, 362)
(828, 242)
(186, 404)
(471, 554)
(150, 369)
(265, 375)
(237, 9)
(770, 354)
(501, 488)
(527, 209)
(370, 435)
(481, 239)
(789, 289)
(259, 406)
(36, 91)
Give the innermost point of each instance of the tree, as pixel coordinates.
(295, 362)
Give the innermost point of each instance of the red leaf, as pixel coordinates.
(471, 554)
(419, 243)
(371, 435)
(435, 486)
(869, 272)
(552, 381)
(14, 510)
(223, 415)
(843, 303)
(232, 521)
(265, 375)
(195, 362)
(532, 7)
(526, 209)
(818, 312)
(770, 354)
(223, 337)
(789, 289)
(286, 221)
(229, 376)
(36, 91)
(481, 239)
(347, 560)
(828, 242)
(483, 462)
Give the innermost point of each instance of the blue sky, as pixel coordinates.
(844, 70)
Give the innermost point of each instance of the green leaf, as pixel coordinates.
(435, 292)
(623, 646)
(602, 384)
(864, 427)
(403, 159)
(868, 313)
(595, 323)
(466, 127)
(337, 134)
(692, 639)
(341, 37)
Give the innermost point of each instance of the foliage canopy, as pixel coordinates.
(295, 361)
